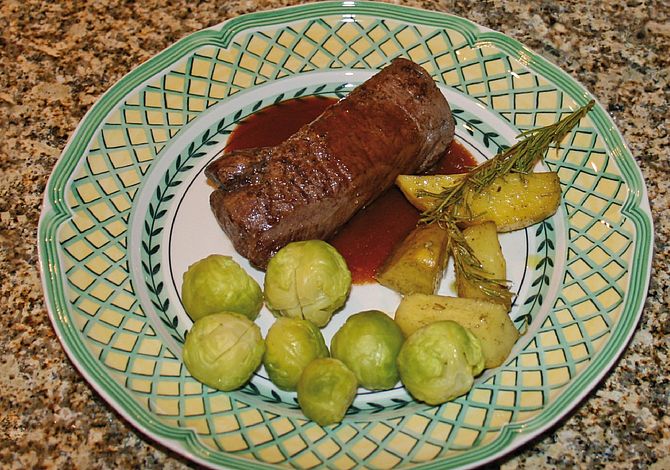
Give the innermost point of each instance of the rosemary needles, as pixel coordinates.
(452, 208)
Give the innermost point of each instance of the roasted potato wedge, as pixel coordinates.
(417, 263)
(412, 186)
(512, 201)
(483, 241)
(488, 321)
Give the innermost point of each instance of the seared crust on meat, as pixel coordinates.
(397, 122)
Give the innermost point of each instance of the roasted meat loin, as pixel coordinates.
(397, 122)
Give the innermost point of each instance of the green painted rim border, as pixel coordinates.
(184, 441)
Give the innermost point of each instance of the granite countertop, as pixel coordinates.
(59, 57)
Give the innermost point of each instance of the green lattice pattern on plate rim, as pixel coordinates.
(83, 239)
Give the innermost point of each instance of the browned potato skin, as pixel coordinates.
(513, 201)
(488, 321)
(483, 240)
(417, 263)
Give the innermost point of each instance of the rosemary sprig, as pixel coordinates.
(520, 158)
(470, 268)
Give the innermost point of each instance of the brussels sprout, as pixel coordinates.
(437, 363)
(368, 343)
(222, 350)
(291, 344)
(325, 390)
(216, 284)
(308, 280)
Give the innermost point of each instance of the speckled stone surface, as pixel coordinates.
(57, 58)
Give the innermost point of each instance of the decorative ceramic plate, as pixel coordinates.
(126, 212)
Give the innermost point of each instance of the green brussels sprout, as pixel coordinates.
(368, 343)
(325, 390)
(291, 344)
(223, 350)
(438, 362)
(216, 284)
(308, 280)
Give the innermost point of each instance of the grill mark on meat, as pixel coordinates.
(308, 186)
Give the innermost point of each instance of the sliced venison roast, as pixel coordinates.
(397, 122)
